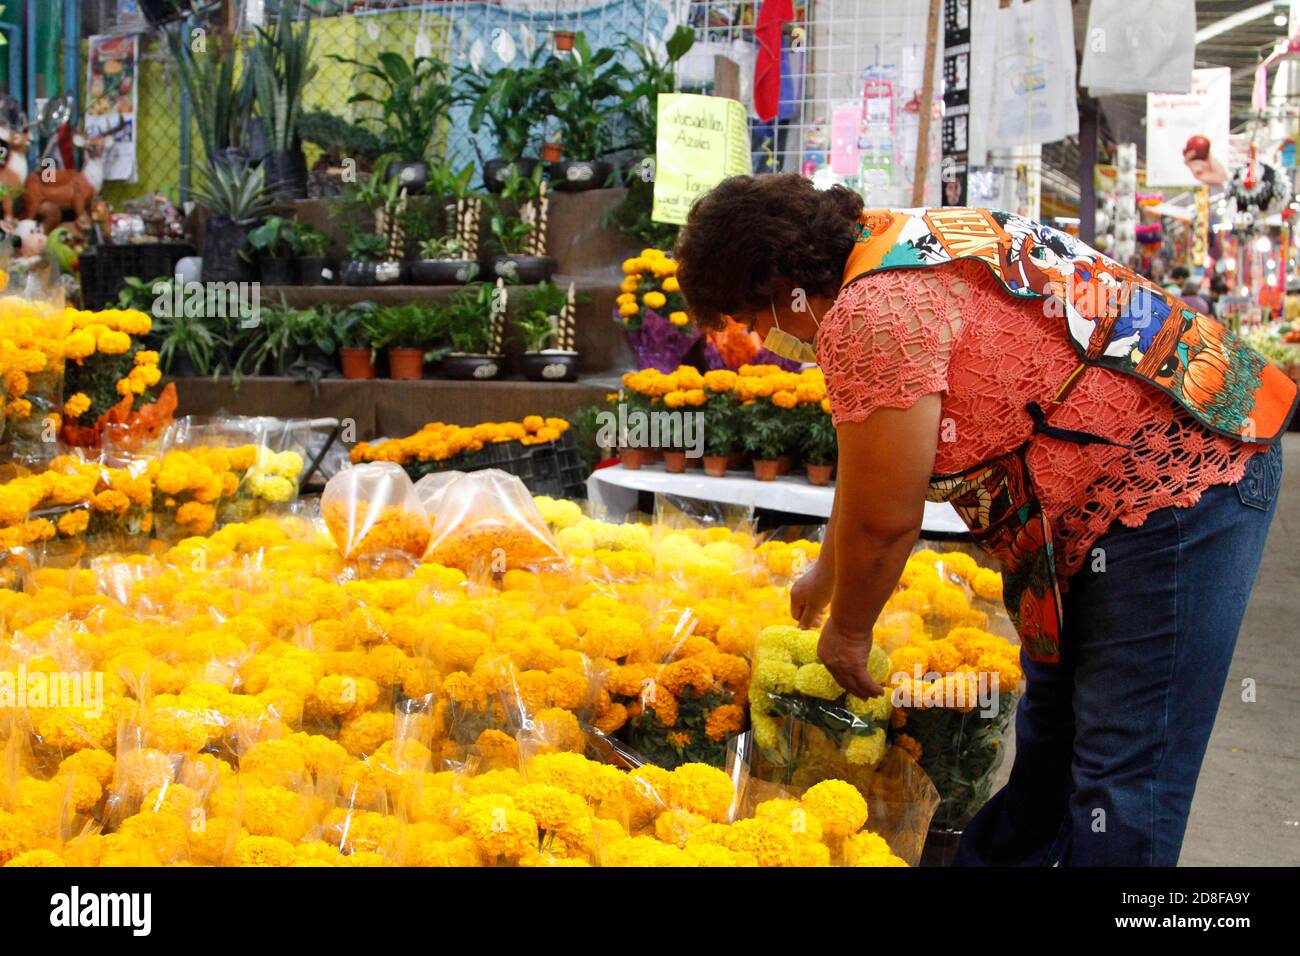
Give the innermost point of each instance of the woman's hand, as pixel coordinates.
(811, 593)
(845, 656)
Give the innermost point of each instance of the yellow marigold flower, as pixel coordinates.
(628, 309)
(701, 789)
(678, 317)
(839, 806)
(77, 405)
(113, 343)
(654, 299)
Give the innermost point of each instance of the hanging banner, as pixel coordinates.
(111, 102)
(1147, 47)
(700, 141)
(1187, 133)
(1032, 97)
(956, 102)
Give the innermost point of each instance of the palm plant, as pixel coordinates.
(509, 101)
(583, 92)
(415, 98)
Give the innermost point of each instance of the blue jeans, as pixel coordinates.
(1109, 742)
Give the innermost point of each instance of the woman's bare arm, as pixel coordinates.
(885, 463)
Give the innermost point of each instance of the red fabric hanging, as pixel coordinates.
(767, 68)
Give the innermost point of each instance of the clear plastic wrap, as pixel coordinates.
(373, 508)
(487, 521)
(430, 489)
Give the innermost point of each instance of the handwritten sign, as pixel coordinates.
(701, 140)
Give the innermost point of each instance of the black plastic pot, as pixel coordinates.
(464, 367)
(277, 271)
(413, 175)
(286, 174)
(528, 270)
(576, 176)
(443, 271)
(312, 270)
(372, 272)
(495, 170)
(224, 244)
(358, 272)
(549, 366)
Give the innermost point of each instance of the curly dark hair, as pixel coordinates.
(750, 233)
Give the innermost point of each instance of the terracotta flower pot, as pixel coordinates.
(675, 462)
(820, 474)
(632, 458)
(765, 470)
(784, 464)
(715, 466)
(406, 363)
(356, 363)
(552, 152)
(563, 39)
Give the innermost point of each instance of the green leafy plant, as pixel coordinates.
(276, 238)
(445, 247)
(366, 246)
(192, 337)
(638, 111)
(339, 138)
(509, 227)
(218, 101)
(582, 95)
(766, 431)
(281, 69)
(414, 99)
(819, 446)
(468, 317)
(354, 326)
(722, 415)
(536, 321)
(418, 325)
(509, 101)
(311, 241)
(138, 294)
(234, 192)
(283, 333)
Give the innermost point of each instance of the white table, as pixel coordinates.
(616, 489)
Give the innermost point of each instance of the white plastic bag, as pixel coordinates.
(488, 520)
(373, 508)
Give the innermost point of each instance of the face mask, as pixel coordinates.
(782, 343)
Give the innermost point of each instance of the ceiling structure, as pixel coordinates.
(1248, 39)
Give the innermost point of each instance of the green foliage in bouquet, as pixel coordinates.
(961, 752)
(687, 740)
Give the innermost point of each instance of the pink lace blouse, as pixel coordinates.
(898, 335)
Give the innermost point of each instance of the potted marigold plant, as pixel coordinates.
(721, 414)
(766, 432)
(819, 446)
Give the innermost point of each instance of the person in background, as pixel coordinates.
(1176, 281)
(1191, 296)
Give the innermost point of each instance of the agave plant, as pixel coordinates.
(234, 191)
(282, 68)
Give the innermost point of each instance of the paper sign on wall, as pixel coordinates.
(701, 140)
